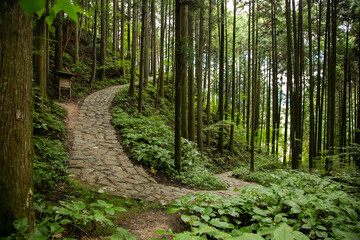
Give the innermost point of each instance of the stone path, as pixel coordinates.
(98, 159)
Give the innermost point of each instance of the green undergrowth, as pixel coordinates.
(151, 142)
(50, 144)
(294, 205)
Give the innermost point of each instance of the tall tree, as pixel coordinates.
(133, 49)
(93, 75)
(199, 75)
(343, 105)
(274, 76)
(181, 10)
(115, 25)
(191, 115)
(103, 40)
(330, 143)
(311, 93)
(40, 60)
(16, 139)
(253, 92)
(184, 78)
(153, 38)
(209, 74)
(162, 41)
(122, 37)
(143, 50)
(221, 79)
(233, 96)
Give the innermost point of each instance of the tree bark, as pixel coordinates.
(181, 10)
(103, 41)
(191, 92)
(162, 40)
(133, 49)
(221, 80)
(233, 96)
(16, 107)
(115, 26)
(153, 39)
(40, 60)
(143, 49)
(311, 94)
(199, 75)
(93, 75)
(122, 37)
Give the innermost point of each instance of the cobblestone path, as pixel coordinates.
(98, 159)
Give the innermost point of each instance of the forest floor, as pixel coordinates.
(98, 160)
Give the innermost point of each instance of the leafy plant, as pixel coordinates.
(151, 142)
(295, 205)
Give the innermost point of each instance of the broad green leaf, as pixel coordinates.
(163, 232)
(38, 235)
(173, 210)
(102, 203)
(70, 9)
(247, 236)
(187, 236)
(55, 228)
(299, 236)
(54, 10)
(110, 211)
(119, 209)
(220, 224)
(321, 234)
(21, 225)
(32, 6)
(346, 235)
(295, 208)
(65, 221)
(284, 232)
(260, 211)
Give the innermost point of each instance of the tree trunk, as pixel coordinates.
(221, 80)
(128, 25)
(184, 85)
(199, 75)
(181, 28)
(103, 41)
(209, 75)
(331, 90)
(16, 108)
(253, 94)
(133, 49)
(143, 51)
(248, 79)
(191, 92)
(233, 96)
(93, 75)
(40, 60)
(311, 94)
(162, 41)
(115, 26)
(289, 73)
(122, 36)
(153, 39)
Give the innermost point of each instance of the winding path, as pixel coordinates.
(98, 159)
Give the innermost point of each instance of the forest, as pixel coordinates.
(180, 119)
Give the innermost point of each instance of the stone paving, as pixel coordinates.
(98, 160)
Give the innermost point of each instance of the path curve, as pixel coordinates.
(98, 160)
